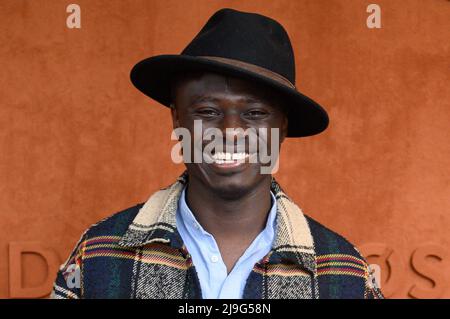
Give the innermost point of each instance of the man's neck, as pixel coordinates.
(244, 216)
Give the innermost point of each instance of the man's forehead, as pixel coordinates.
(217, 97)
(208, 86)
(211, 79)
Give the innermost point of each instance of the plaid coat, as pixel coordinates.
(138, 253)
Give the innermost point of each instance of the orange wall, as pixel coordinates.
(78, 142)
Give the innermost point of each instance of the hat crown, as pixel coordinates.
(247, 37)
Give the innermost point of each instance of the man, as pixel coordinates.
(224, 229)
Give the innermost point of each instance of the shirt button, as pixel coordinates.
(214, 258)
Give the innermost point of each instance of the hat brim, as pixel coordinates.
(152, 76)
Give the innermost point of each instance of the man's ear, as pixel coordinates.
(284, 128)
(173, 112)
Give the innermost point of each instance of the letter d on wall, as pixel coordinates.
(16, 250)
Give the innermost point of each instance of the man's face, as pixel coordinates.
(223, 102)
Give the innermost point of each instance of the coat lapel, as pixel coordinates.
(289, 271)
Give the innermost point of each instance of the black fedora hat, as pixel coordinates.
(242, 44)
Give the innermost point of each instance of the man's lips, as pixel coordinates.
(223, 160)
(226, 165)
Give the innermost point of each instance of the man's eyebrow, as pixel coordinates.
(251, 100)
(206, 98)
(203, 98)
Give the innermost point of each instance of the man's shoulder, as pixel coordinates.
(114, 225)
(329, 243)
(342, 270)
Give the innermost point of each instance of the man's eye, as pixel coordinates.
(208, 112)
(256, 113)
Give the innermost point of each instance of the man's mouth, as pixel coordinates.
(227, 160)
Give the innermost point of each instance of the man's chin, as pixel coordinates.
(231, 191)
(229, 183)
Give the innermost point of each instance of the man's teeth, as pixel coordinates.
(222, 158)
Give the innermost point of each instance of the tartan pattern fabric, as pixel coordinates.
(138, 253)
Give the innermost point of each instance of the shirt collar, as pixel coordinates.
(189, 220)
(156, 223)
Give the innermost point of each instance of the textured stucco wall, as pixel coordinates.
(78, 142)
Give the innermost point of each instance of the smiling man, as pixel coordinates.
(224, 228)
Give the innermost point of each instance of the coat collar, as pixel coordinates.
(156, 223)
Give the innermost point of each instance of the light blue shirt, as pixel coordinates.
(211, 270)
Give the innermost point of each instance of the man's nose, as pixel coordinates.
(235, 126)
(230, 121)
